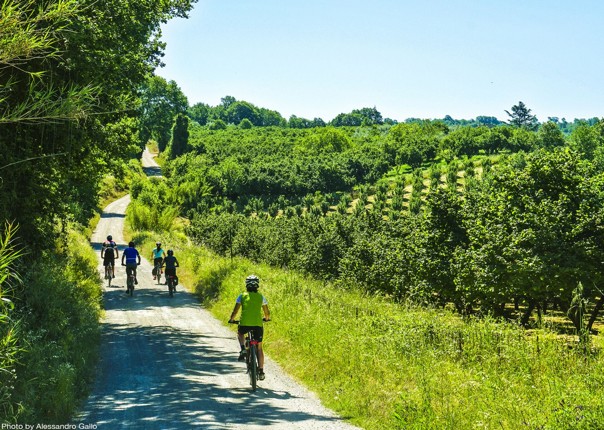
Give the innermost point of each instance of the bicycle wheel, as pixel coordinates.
(130, 286)
(158, 274)
(253, 367)
(109, 276)
(171, 286)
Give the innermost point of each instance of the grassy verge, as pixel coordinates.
(58, 310)
(383, 365)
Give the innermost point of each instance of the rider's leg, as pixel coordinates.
(260, 356)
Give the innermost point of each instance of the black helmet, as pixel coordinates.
(109, 237)
(252, 282)
(131, 244)
(170, 252)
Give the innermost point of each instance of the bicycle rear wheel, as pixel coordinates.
(253, 367)
(108, 275)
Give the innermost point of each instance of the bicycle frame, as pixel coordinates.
(170, 282)
(251, 356)
(109, 274)
(251, 360)
(158, 272)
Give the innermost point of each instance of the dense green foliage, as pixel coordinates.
(389, 366)
(523, 226)
(49, 330)
(71, 73)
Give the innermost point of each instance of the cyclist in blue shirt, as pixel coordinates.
(131, 259)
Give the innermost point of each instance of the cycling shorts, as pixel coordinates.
(258, 331)
(108, 261)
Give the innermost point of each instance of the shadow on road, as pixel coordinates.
(152, 171)
(173, 379)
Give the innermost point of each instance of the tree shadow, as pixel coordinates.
(164, 378)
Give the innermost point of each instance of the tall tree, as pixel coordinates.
(69, 76)
(521, 117)
(162, 101)
(180, 136)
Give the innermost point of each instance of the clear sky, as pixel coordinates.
(420, 59)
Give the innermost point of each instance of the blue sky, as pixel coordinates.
(421, 59)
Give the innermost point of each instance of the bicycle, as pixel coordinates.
(130, 281)
(251, 355)
(109, 274)
(158, 272)
(170, 280)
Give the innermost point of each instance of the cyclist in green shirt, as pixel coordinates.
(252, 305)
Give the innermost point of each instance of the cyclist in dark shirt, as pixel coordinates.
(171, 264)
(109, 253)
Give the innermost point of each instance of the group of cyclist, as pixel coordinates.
(253, 305)
(132, 259)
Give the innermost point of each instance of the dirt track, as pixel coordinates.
(167, 363)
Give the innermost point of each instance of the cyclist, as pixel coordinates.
(109, 253)
(158, 257)
(171, 264)
(131, 259)
(253, 305)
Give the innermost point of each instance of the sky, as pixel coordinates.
(409, 59)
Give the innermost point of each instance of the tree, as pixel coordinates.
(162, 101)
(550, 136)
(521, 117)
(180, 136)
(199, 112)
(245, 124)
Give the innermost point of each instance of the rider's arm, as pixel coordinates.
(235, 310)
(176, 263)
(267, 312)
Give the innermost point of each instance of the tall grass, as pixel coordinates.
(59, 333)
(387, 366)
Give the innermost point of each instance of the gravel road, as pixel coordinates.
(167, 363)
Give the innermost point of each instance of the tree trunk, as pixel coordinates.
(527, 314)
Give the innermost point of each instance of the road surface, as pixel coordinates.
(167, 363)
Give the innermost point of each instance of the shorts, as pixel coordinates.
(157, 261)
(258, 331)
(131, 268)
(109, 261)
(170, 271)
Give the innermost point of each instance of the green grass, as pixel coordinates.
(59, 333)
(386, 366)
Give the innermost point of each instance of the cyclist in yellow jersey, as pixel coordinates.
(252, 305)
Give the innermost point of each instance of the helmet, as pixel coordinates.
(170, 252)
(131, 244)
(109, 237)
(158, 243)
(252, 282)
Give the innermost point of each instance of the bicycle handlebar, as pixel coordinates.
(237, 321)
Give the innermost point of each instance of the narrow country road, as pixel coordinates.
(166, 363)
